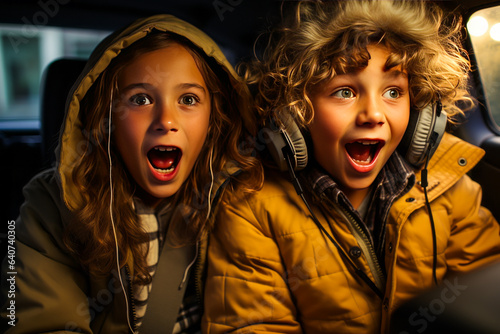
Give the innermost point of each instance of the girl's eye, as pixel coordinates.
(344, 93)
(140, 100)
(392, 94)
(189, 100)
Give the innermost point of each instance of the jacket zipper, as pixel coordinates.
(363, 241)
(366, 246)
(132, 312)
(198, 273)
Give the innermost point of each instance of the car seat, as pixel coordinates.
(57, 80)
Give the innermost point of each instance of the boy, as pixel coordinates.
(365, 236)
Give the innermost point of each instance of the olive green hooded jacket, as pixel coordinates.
(52, 291)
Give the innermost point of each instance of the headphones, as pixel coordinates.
(285, 138)
(422, 136)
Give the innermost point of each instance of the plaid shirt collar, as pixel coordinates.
(394, 180)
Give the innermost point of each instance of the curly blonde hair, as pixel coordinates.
(91, 238)
(321, 39)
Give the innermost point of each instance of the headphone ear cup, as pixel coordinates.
(423, 134)
(288, 137)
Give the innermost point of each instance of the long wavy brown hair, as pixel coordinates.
(91, 237)
(320, 39)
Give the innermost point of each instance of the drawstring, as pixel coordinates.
(184, 277)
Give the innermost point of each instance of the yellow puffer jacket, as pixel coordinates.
(272, 270)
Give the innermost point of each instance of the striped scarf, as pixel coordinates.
(189, 316)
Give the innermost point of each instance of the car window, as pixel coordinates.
(24, 53)
(484, 31)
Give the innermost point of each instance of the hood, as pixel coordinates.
(72, 137)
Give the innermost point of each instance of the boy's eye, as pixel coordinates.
(392, 94)
(189, 100)
(344, 93)
(140, 100)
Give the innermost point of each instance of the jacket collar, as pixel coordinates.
(452, 160)
(396, 177)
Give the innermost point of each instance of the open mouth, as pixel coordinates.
(164, 159)
(363, 152)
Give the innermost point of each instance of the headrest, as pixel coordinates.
(57, 80)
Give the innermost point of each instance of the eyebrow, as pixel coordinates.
(395, 73)
(135, 85)
(149, 86)
(191, 85)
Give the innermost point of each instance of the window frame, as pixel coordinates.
(477, 83)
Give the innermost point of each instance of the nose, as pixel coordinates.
(370, 113)
(165, 119)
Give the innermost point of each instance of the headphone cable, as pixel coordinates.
(424, 184)
(111, 217)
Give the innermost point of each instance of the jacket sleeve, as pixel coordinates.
(475, 234)
(49, 285)
(246, 291)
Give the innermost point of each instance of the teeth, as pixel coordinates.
(169, 170)
(363, 161)
(163, 149)
(367, 142)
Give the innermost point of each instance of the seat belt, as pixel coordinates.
(167, 291)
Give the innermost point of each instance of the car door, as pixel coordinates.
(482, 124)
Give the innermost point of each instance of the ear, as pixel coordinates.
(285, 138)
(423, 134)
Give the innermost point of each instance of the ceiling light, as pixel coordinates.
(477, 26)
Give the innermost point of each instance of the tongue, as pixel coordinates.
(359, 151)
(162, 160)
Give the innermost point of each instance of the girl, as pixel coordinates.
(359, 234)
(152, 137)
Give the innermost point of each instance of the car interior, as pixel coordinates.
(44, 45)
